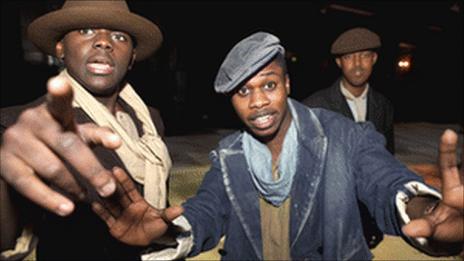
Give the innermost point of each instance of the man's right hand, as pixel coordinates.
(34, 150)
(130, 218)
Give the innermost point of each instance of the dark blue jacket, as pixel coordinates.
(340, 162)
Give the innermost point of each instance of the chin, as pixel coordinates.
(264, 135)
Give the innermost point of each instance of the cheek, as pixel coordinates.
(240, 107)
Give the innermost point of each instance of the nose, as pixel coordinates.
(103, 41)
(258, 99)
(357, 59)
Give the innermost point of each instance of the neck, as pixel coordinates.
(355, 90)
(275, 143)
(110, 102)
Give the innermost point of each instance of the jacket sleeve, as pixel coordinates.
(379, 177)
(207, 211)
(202, 223)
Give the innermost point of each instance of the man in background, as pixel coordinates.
(352, 95)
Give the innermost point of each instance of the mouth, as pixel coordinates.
(358, 72)
(262, 120)
(100, 65)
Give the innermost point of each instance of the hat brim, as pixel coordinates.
(47, 30)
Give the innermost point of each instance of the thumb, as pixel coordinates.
(418, 228)
(171, 213)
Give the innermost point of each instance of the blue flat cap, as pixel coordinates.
(246, 58)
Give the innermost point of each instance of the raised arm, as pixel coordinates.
(34, 151)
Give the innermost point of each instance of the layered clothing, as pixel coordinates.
(379, 109)
(340, 163)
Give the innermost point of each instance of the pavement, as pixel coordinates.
(416, 144)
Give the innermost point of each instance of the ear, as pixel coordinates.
(132, 61)
(59, 50)
(374, 58)
(287, 84)
(338, 61)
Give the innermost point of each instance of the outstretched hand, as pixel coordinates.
(129, 217)
(34, 151)
(446, 222)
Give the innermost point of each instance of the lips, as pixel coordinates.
(100, 65)
(262, 120)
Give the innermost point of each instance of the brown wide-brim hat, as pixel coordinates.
(50, 28)
(355, 40)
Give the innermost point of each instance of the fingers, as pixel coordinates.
(23, 180)
(418, 228)
(127, 184)
(103, 214)
(448, 149)
(59, 102)
(93, 134)
(45, 164)
(124, 195)
(453, 188)
(73, 149)
(171, 213)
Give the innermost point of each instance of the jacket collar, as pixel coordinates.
(245, 198)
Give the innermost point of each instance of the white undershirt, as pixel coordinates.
(358, 105)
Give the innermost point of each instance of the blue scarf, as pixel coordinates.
(259, 159)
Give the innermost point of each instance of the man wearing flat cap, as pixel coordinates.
(287, 186)
(352, 95)
(48, 163)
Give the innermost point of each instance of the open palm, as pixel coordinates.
(446, 223)
(129, 217)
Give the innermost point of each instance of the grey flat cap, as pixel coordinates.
(354, 40)
(246, 58)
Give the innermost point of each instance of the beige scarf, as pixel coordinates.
(148, 150)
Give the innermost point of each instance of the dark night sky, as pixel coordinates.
(198, 35)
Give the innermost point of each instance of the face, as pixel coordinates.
(97, 58)
(261, 103)
(356, 67)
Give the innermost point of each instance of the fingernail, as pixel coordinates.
(64, 209)
(56, 82)
(114, 139)
(108, 189)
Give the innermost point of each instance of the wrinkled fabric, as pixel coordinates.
(246, 58)
(341, 162)
(259, 158)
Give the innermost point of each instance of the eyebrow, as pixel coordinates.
(267, 73)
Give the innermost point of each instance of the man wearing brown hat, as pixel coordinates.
(352, 95)
(98, 43)
(287, 186)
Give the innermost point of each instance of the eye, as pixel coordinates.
(366, 54)
(244, 91)
(86, 31)
(346, 56)
(121, 37)
(270, 85)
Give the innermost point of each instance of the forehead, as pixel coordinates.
(109, 30)
(358, 52)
